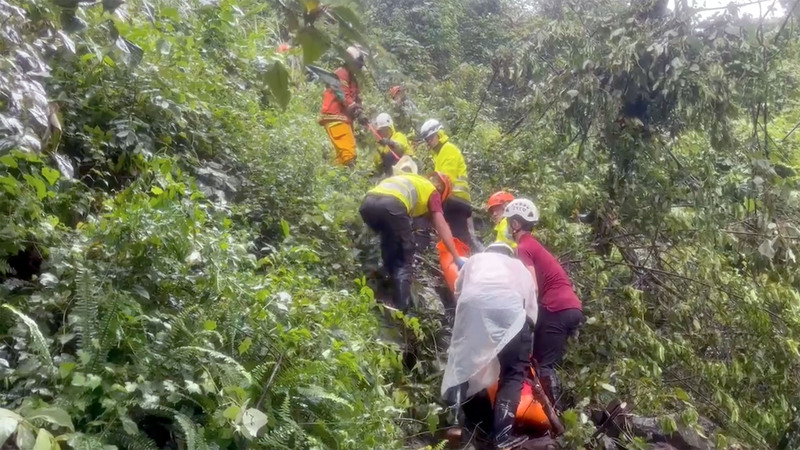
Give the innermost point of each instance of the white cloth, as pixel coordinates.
(495, 293)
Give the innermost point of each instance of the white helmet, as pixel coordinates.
(430, 127)
(499, 247)
(522, 208)
(383, 121)
(356, 52)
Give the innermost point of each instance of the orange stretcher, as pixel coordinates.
(448, 262)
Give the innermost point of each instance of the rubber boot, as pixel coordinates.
(504, 416)
(402, 288)
(552, 387)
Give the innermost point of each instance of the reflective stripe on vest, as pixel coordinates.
(461, 188)
(413, 191)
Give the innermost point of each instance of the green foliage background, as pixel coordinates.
(182, 267)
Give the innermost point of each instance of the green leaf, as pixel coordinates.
(9, 161)
(54, 415)
(314, 44)
(45, 441)
(231, 412)
(129, 425)
(210, 325)
(51, 175)
(25, 438)
(682, 395)
(66, 368)
(345, 14)
(245, 346)
(608, 387)
(141, 292)
(38, 184)
(278, 81)
(285, 228)
(156, 190)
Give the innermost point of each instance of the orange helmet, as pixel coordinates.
(445, 180)
(395, 91)
(499, 198)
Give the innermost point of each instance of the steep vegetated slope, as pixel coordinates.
(182, 268)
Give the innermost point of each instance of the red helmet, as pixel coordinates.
(395, 91)
(448, 185)
(500, 198)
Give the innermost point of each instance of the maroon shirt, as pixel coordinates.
(435, 202)
(555, 289)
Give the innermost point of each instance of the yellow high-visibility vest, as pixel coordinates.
(450, 162)
(413, 190)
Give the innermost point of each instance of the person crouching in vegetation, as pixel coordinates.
(388, 209)
(393, 144)
(447, 159)
(560, 310)
(497, 206)
(495, 311)
(341, 105)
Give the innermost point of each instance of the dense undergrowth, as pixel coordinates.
(182, 268)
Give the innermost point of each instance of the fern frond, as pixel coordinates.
(39, 343)
(315, 393)
(179, 333)
(441, 445)
(86, 310)
(80, 441)
(215, 355)
(108, 324)
(5, 268)
(138, 442)
(192, 432)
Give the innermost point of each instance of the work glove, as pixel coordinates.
(460, 261)
(385, 141)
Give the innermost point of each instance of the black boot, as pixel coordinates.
(552, 387)
(504, 416)
(402, 288)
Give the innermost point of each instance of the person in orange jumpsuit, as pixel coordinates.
(341, 105)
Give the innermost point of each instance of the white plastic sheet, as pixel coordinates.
(495, 293)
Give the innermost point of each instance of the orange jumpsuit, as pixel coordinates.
(335, 118)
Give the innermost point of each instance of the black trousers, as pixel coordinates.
(514, 366)
(388, 217)
(457, 212)
(552, 331)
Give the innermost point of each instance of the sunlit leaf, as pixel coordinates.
(278, 81)
(314, 44)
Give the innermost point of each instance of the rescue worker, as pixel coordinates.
(394, 144)
(495, 311)
(560, 310)
(497, 206)
(447, 158)
(388, 209)
(341, 105)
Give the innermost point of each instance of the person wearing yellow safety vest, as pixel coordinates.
(388, 209)
(394, 144)
(447, 158)
(496, 206)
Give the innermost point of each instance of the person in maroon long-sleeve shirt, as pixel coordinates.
(560, 310)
